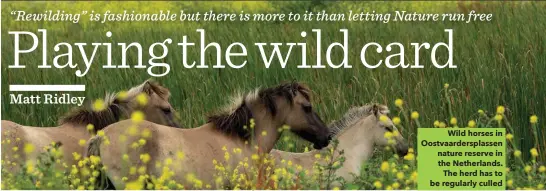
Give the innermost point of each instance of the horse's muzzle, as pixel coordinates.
(402, 149)
(321, 144)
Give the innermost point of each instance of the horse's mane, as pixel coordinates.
(115, 107)
(234, 118)
(100, 119)
(354, 114)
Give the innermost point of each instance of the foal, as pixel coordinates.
(358, 132)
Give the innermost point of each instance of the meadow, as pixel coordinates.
(500, 63)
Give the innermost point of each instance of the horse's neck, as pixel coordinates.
(265, 142)
(357, 145)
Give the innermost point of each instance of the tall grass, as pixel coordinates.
(499, 63)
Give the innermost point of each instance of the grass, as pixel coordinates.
(499, 63)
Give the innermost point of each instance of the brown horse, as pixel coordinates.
(25, 143)
(359, 131)
(255, 117)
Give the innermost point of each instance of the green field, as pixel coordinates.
(499, 63)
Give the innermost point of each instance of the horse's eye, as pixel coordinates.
(307, 107)
(390, 128)
(166, 110)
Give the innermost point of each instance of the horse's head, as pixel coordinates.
(291, 106)
(153, 100)
(384, 131)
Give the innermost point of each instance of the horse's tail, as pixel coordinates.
(93, 149)
(93, 146)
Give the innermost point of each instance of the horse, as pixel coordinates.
(358, 132)
(252, 124)
(26, 143)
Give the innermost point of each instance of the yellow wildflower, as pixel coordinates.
(409, 156)
(142, 99)
(137, 116)
(255, 157)
(471, 123)
(76, 156)
(134, 185)
(542, 169)
(142, 170)
(122, 95)
(396, 120)
(132, 170)
(82, 142)
(134, 145)
(395, 185)
(398, 103)
(106, 142)
(385, 166)
(29, 148)
(534, 152)
(226, 156)
(145, 158)
(377, 184)
(510, 183)
(442, 125)
(453, 121)
(388, 135)
(99, 105)
(400, 175)
(446, 85)
(540, 186)
(533, 119)
(509, 136)
(498, 117)
(264, 133)
(94, 160)
(90, 127)
(125, 157)
(395, 133)
(180, 155)
(146, 133)
(527, 169)
(436, 123)
(481, 112)
(517, 153)
(500, 109)
(383, 118)
(141, 142)
(30, 167)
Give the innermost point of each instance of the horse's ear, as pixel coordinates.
(148, 86)
(376, 110)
